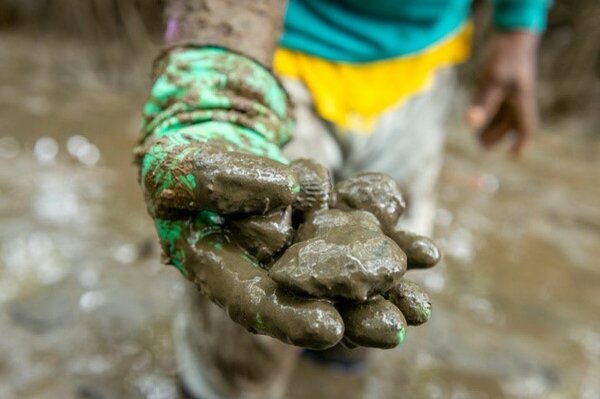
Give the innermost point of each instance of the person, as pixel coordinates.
(370, 83)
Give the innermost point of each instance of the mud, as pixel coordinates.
(376, 323)
(213, 22)
(244, 290)
(226, 182)
(412, 300)
(315, 185)
(322, 222)
(263, 236)
(519, 276)
(349, 262)
(421, 252)
(373, 192)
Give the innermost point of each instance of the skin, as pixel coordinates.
(505, 103)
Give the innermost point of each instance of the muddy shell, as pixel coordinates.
(412, 301)
(349, 262)
(421, 252)
(263, 236)
(377, 193)
(376, 323)
(231, 280)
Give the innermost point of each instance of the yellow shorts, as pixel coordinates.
(352, 96)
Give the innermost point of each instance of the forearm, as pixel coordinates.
(250, 27)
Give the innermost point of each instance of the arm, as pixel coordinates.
(505, 102)
(214, 22)
(224, 198)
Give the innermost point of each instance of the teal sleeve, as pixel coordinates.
(521, 14)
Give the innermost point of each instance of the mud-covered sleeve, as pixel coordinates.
(521, 14)
(196, 85)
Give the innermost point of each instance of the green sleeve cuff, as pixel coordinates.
(521, 14)
(200, 85)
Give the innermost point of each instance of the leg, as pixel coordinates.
(408, 144)
(313, 138)
(218, 359)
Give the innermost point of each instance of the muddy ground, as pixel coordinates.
(85, 305)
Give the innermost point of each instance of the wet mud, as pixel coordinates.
(227, 182)
(421, 252)
(245, 291)
(349, 262)
(322, 222)
(412, 300)
(373, 192)
(212, 22)
(376, 323)
(263, 236)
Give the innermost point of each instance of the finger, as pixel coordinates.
(377, 193)
(412, 301)
(497, 129)
(233, 281)
(349, 262)
(421, 252)
(263, 236)
(526, 118)
(485, 104)
(208, 177)
(376, 323)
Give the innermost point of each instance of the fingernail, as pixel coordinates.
(475, 116)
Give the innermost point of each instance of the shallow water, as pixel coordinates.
(85, 305)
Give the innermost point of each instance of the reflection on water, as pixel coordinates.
(85, 306)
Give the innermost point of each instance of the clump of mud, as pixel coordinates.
(302, 262)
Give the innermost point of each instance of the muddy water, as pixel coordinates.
(85, 306)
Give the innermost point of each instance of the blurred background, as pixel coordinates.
(85, 305)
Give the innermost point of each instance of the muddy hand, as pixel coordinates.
(213, 130)
(379, 322)
(222, 194)
(232, 279)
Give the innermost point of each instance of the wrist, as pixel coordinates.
(195, 85)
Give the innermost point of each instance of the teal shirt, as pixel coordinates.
(370, 30)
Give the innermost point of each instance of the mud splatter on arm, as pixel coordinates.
(250, 27)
